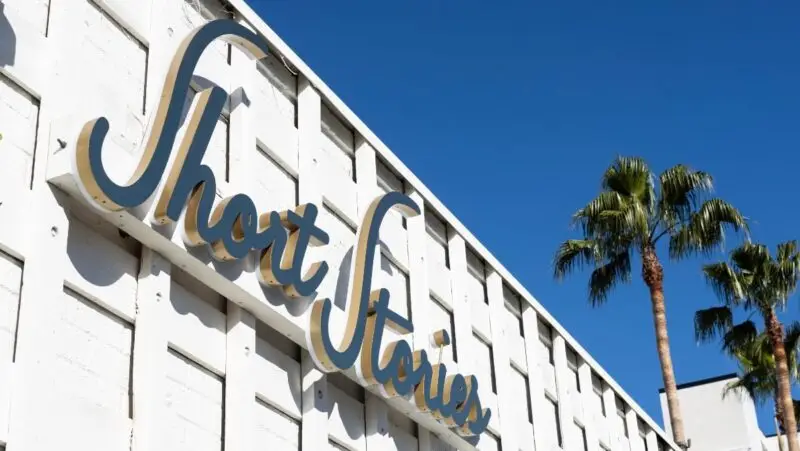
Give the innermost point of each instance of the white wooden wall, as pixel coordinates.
(105, 344)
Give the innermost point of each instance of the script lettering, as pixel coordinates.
(233, 228)
(397, 370)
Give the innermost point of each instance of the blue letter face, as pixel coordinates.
(398, 370)
(232, 228)
(94, 181)
(326, 355)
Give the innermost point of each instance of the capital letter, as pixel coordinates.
(93, 179)
(327, 356)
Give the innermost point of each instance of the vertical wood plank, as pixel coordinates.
(502, 362)
(314, 430)
(418, 275)
(462, 314)
(31, 428)
(377, 424)
(587, 395)
(240, 392)
(530, 327)
(564, 405)
(150, 351)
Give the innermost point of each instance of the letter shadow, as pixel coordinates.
(8, 40)
(184, 306)
(277, 298)
(236, 98)
(348, 405)
(94, 260)
(343, 280)
(298, 307)
(344, 276)
(231, 270)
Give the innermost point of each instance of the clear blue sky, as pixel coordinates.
(522, 104)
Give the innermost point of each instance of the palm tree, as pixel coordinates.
(634, 211)
(758, 283)
(753, 352)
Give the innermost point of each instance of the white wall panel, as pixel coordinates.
(437, 258)
(402, 432)
(394, 236)
(196, 328)
(480, 320)
(10, 287)
(275, 431)
(338, 253)
(620, 434)
(476, 280)
(89, 365)
(489, 442)
(183, 16)
(440, 317)
(514, 333)
(19, 113)
(194, 406)
(274, 189)
(346, 420)
(513, 313)
(438, 445)
(552, 431)
(113, 89)
(396, 281)
(34, 12)
(101, 269)
(482, 364)
(277, 378)
(274, 102)
(402, 440)
(335, 163)
(523, 415)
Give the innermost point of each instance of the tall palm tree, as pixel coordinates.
(633, 213)
(754, 354)
(758, 283)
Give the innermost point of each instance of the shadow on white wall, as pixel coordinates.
(8, 40)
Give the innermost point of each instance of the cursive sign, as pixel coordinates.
(399, 372)
(232, 229)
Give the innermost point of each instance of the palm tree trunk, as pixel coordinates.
(653, 275)
(778, 436)
(775, 331)
(779, 424)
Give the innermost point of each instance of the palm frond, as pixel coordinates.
(606, 201)
(791, 342)
(610, 214)
(759, 384)
(628, 176)
(712, 322)
(704, 231)
(631, 177)
(573, 254)
(680, 191)
(604, 278)
(787, 251)
(740, 338)
(786, 269)
(724, 280)
(752, 258)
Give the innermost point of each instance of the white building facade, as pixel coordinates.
(716, 421)
(120, 333)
